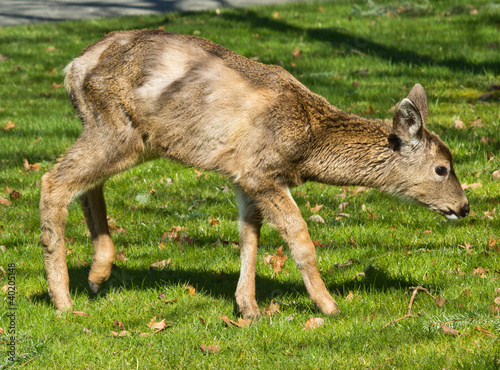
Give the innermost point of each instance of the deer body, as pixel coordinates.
(148, 94)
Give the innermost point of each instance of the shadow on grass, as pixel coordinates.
(222, 285)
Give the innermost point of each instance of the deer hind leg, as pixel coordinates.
(278, 206)
(98, 154)
(250, 224)
(94, 208)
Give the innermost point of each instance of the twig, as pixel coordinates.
(482, 169)
(415, 291)
(27, 362)
(385, 362)
(395, 321)
(494, 156)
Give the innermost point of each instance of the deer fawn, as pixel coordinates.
(148, 94)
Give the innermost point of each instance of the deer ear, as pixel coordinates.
(411, 115)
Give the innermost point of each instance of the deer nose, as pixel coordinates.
(464, 211)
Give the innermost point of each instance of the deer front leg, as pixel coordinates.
(250, 224)
(94, 208)
(280, 209)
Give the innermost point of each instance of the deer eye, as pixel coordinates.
(441, 171)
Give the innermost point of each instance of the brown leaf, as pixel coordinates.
(297, 53)
(5, 202)
(314, 323)
(80, 313)
(484, 331)
(273, 308)
(121, 256)
(118, 324)
(343, 205)
(120, 334)
(479, 271)
(317, 219)
(213, 221)
(471, 186)
(190, 289)
(15, 194)
(440, 302)
(276, 15)
(210, 348)
(160, 264)
(459, 125)
(173, 233)
(497, 301)
(353, 242)
(278, 260)
(56, 86)
(449, 331)
(476, 123)
(496, 175)
(9, 125)
(316, 208)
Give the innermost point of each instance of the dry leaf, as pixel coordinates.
(497, 301)
(297, 53)
(9, 125)
(343, 205)
(278, 260)
(479, 271)
(484, 331)
(173, 233)
(314, 323)
(476, 123)
(5, 202)
(440, 302)
(276, 15)
(459, 125)
(496, 175)
(160, 264)
(191, 289)
(209, 349)
(213, 221)
(56, 86)
(121, 256)
(120, 334)
(317, 219)
(15, 194)
(118, 324)
(471, 186)
(273, 308)
(1, 330)
(449, 331)
(80, 313)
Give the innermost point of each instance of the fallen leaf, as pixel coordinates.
(497, 301)
(28, 167)
(278, 260)
(314, 209)
(209, 349)
(496, 175)
(50, 48)
(479, 271)
(459, 125)
(190, 289)
(1, 330)
(317, 219)
(471, 186)
(15, 194)
(9, 125)
(343, 205)
(120, 334)
(56, 86)
(118, 324)
(121, 256)
(213, 221)
(5, 202)
(173, 233)
(440, 302)
(276, 15)
(449, 331)
(160, 264)
(484, 331)
(80, 313)
(476, 123)
(273, 308)
(353, 242)
(314, 323)
(297, 53)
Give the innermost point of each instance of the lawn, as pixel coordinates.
(415, 290)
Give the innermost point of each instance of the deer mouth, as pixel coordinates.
(453, 215)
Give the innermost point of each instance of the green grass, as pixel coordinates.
(444, 46)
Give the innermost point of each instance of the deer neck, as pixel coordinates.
(349, 150)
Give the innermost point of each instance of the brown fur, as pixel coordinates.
(148, 94)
